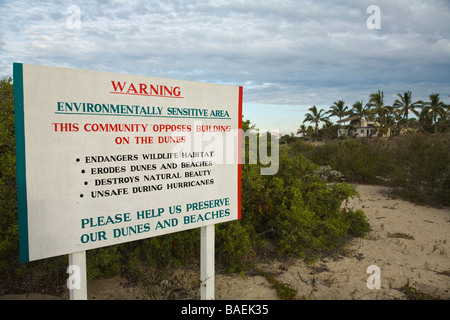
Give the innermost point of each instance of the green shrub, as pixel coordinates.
(236, 245)
(316, 222)
(9, 236)
(299, 146)
(423, 162)
(103, 262)
(357, 223)
(417, 165)
(304, 214)
(359, 160)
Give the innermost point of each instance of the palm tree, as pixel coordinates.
(329, 130)
(384, 112)
(302, 130)
(315, 117)
(435, 108)
(404, 105)
(376, 102)
(338, 109)
(358, 110)
(310, 131)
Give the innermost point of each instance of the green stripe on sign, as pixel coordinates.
(19, 123)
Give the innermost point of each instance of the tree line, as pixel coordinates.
(431, 116)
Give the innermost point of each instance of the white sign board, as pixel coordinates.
(106, 158)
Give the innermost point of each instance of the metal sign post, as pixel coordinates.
(77, 282)
(207, 263)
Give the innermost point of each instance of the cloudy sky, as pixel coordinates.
(288, 55)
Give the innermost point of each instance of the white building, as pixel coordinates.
(359, 127)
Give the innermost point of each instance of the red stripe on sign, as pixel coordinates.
(241, 91)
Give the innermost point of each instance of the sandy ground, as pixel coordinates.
(409, 244)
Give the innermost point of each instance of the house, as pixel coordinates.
(359, 127)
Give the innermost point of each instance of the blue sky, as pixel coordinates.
(288, 55)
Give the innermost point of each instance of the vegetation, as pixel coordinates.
(412, 293)
(297, 209)
(284, 291)
(435, 108)
(304, 214)
(405, 105)
(315, 117)
(414, 160)
(416, 165)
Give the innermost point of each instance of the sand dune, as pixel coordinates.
(409, 244)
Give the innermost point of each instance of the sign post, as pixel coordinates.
(77, 282)
(207, 270)
(105, 158)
